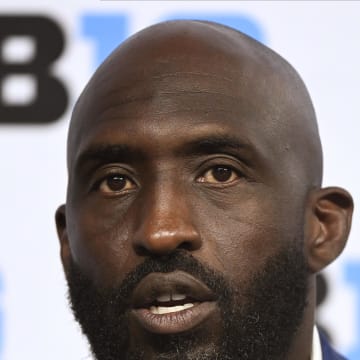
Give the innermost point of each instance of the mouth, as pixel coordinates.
(169, 303)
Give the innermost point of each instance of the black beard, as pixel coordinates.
(260, 318)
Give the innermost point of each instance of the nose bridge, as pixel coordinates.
(165, 221)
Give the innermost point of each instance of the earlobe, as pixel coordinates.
(60, 220)
(328, 223)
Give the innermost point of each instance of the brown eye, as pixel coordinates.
(116, 183)
(219, 174)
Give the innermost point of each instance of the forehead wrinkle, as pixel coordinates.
(164, 95)
(155, 83)
(145, 90)
(179, 100)
(193, 73)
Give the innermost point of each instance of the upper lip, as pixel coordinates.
(155, 285)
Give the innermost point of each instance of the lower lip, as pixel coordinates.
(176, 322)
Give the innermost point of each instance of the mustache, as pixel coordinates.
(179, 260)
(258, 313)
(103, 312)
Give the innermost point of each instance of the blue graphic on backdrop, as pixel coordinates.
(352, 276)
(108, 30)
(244, 23)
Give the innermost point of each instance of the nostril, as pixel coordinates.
(141, 250)
(163, 246)
(186, 245)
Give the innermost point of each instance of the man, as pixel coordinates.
(195, 221)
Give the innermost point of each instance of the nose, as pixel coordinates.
(165, 223)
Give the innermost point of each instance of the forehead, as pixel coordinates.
(169, 111)
(169, 91)
(163, 89)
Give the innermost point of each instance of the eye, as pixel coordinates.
(115, 183)
(220, 174)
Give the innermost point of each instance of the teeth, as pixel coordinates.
(177, 297)
(159, 310)
(169, 297)
(164, 298)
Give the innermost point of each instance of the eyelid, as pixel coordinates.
(238, 165)
(222, 160)
(112, 169)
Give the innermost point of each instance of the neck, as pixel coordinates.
(301, 346)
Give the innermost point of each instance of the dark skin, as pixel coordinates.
(193, 137)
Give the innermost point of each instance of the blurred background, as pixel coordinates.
(48, 50)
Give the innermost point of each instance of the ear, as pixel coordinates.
(60, 220)
(328, 223)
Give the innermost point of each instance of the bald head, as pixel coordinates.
(171, 58)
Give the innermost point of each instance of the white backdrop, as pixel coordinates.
(322, 41)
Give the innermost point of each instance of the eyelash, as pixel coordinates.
(206, 171)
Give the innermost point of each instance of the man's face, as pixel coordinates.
(185, 228)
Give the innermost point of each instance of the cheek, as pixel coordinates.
(99, 242)
(242, 234)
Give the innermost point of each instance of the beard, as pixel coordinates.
(259, 317)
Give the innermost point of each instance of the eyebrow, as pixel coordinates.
(108, 153)
(214, 144)
(205, 145)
